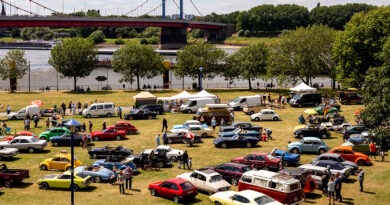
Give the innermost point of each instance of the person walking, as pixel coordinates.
(8, 109)
(119, 110)
(165, 138)
(129, 177)
(331, 188)
(158, 139)
(338, 183)
(90, 126)
(382, 153)
(164, 125)
(185, 160)
(360, 174)
(104, 125)
(372, 147)
(213, 123)
(121, 182)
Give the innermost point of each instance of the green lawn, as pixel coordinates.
(205, 154)
(247, 41)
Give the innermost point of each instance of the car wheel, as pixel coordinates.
(251, 112)
(94, 156)
(75, 187)
(322, 151)
(360, 162)
(7, 183)
(276, 118)
(130, 132)
(30, 150)
(299, 105)
(88, 116)
(118, 137)
(204, 135)
(176, 199)
(248, 144)
(67, 168)
(43, 167)
(97, 179)
(149, 117)
(189, 111)
(257, 119)
(285, 163)
(108, 114)
(44, 186)
(234, 181)
(13, 118)
(295, 151)
(42, 138)
(217, 203)
(170, 141)
(130, 118)
(153, 192)
(55, 144)
(96, 138)
(224, 145)
(173, 159)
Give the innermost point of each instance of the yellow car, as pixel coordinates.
(59, 162)
(62, 181)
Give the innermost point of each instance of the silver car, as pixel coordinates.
(8, 152)
(28, 143)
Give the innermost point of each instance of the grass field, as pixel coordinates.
(376, 184)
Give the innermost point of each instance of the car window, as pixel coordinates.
(65, 176)
(202, 177)
(240, 198)
(15, 141)
(194, 175)
(166, 185)
(260, 158)
(93, 107)
(23, 141)
(57, 159)
(307, 142)
(216, 178)
(141, 112)
(63, 159)
(348, 152)
(186, 186)
(100, 107)
(263, 200)
(174, 187)
(338, 151)
(249, 157)
(109, 106)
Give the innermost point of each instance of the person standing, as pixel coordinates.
(338, 183)
(85, 140)
(84, 127)
(222, 122)
(26, 124)
(213, 123)
(8, 109)
(104, 125)
(360, 174)
(179, 160)
(158, 139)
(190, 163)
(324, 183)
(90, 126)
(382, 153)
(121, 182)
(164, 125)
(129, 177)
(36, 120)
(63, 107)
(48, 123)
(301, 119)
(331, 188)
(165, 138)
(372, 147)
(70, 107)
(232, 116)
(185, 160)
(119, 110)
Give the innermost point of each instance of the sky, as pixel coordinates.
(127, 7)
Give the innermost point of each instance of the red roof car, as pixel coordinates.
(348, 154)
(21, 133)
(176, 189)
(129, 128)
(260, 160)
(107, 134)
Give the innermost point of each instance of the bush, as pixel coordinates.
(240, 33)
(144, 41)
(119, 41)
(97, 36)
(153, 40)
(247, 33)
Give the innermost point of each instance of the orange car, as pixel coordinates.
(348, 154)
(21, 133)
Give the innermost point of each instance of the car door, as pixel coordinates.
(64, 162)
(348, 155)
(23, 144)
(224, 171)
(109, 134)
(249, 159)
(60, 132)
(63, 181)
(316, 144)
(201, 182)
(194, 178)
(307, 146)
(55, 163)
(260, 161)
(15, 143)
(165, 189)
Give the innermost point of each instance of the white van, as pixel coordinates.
(193, 105)
(250, 101)
(19, 115)
(99, 109)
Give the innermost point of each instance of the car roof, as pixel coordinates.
(310, 166)
(343, 147)
(23, 137)
(330, 155)
(176, 180)
(292, 171)
(328, 162)
(207, 171)
(267, 110)
(122, 122)
(195, 126)
(233, 164)
(250, 194)
(311, 138)
(260, 153)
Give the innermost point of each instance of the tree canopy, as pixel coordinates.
(137, 61)
(13, 66)
(74, 58)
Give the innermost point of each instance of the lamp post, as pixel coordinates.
(72, 125)
(200, 78)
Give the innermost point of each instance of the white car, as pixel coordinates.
(245, 197)
(196, 129)
(171, 154)
(8, 152)
(189, 122)
(206, 180)
(28, 143)
(266, 114)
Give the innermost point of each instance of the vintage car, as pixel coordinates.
(59, 162)
(308, 145)
(181, 137)
(260, 160)
(335, 126)
(236, 141)
(358, 147)
(316, 173)
(335, 167)
(21, 133)
(334, 109)
(302, 175)
(108, 134)
(285, 189)
(353, 129)
(97, 173)
(361, 138)
(241, 125)
(25, 143)
(312, 131)
(8, 177)
(179, 190)
(348, 154)
(66, 139)
(206, 180)
(159, 158)
(189, 122)
(120, 163)
(136, 114)
(337, 158)
(63, 181)
(247, 197)
(129, 128)
(288, 159)
(196, 129)
(104, 152)
(230, 171)
(54, 131)
(265, 114)
(171, 153)
(8, 152)
(251, 133)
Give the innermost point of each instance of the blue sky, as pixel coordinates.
(205, 6)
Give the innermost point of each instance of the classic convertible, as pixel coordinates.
(104, 152)
(236, 140)
(119, 163)
(243, 197)
(63, 181)
(97, 173)
(180, 137)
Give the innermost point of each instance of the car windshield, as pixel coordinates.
(81, 175)
(270, 157)
(236, 100)
(296, 96)
(245, 169)
(263, 200)
(216, 178)
(33, 139)
(133, 111)
(186, 186)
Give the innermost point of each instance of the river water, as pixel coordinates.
(43, 75)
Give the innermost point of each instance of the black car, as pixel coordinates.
(160, 158)
(104, 152)
(153, 107)
(242, 125)
(180, 137)
(65, 140)
(312, 131)
(306, 99)
(353, 129)
(136, 114)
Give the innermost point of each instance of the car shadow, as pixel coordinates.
(313, 196)
(369, 192)
(89, 189)
(350, 181)
(12, 159)
(21, 185)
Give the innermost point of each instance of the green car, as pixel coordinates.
(320, 110)
(62, 181)
(54, 131)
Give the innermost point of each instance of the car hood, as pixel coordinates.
(294, 144)
(185, 176)
(224, 194)
(349, 163)
(237, 159)
(8, 150)
(96, 133)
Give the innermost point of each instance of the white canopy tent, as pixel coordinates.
(205, 94)
(182, 96)
(303, 88)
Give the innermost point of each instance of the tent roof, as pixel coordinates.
(302, 87)
(182, 95)
(203, 94)
(144, 95)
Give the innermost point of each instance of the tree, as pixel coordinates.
(137, 60)
(97, 36)
(74, 58)
(302, 54)
(13, 67)
(356, 49)
(192, 57)
(248, 62)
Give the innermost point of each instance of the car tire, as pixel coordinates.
(88, 116)
(55, 144)
(234, 181)
(189, 111)
(295, 151)
(173, 159)
(176, 199)
(321, 151)
(13, 118)
(108, 114)
(360, 162)
(67, 168)
(153, 192)
(7, 183)
(43, 167)
(75, 187)
(150, 117)
(248, 144)
(30, 150)
(94, 156)
(44, 186)
(97, 179)
(42, 138)
(118, 137)
(276, 119)
(285, 163)
(217, 203)
(257, 119)
(224, 145)
(96, 138)
(251, 112)
(204, 135)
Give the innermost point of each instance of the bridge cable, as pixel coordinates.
(196, 8)
(18, 8)
(177, 5)
(44, 7)
(139, 6)
(154, 9)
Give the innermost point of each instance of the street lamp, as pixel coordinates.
(200, 78)
(72, 125)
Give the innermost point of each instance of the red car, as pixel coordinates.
(21, 133)
(176, 189)
(129, 128)
(230, 171)
(108, 134)
(260, 160)
(348, 154)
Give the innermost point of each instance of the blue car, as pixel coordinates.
(250, 133)
(97, 173)
(109, 163)
(236, 141)
(65, 140)
(288, 158)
